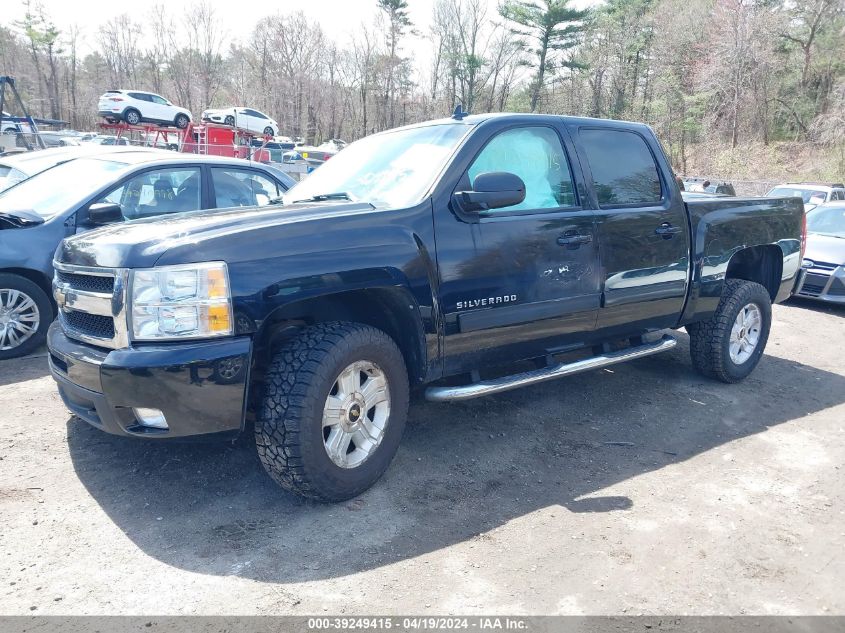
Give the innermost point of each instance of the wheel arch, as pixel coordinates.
(390, 309)
(761, 264)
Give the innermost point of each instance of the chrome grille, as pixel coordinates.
(91, 304)
(94, 325)
(92, 283)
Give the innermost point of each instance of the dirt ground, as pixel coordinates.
(643, 489)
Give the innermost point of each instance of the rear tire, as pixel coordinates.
(24, 306)
(303, 389)
(729, 345)
(132, 116)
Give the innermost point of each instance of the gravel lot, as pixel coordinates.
(640, 489)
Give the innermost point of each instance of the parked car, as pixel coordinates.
(58, 139)
(823, 268)
(20, 166)
(292, 156)
(88, 192)
(704, 185)
(106, 139)
(245, 118)
(698, 195)
(135, 106)
(440, 250)
(813, 194)
(10, 124)
(275, 149)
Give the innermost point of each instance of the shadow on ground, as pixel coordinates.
(30, 367)
(816, 306)
(462, 469)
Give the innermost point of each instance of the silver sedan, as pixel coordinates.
(823, 269)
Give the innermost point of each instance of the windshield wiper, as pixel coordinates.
(321, 197)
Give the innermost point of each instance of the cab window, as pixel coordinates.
(536, 155)
(242, 188)
(158, 192)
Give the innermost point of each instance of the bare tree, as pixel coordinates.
(119, 44)
(44, 47)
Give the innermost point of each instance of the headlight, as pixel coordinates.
(174, 302)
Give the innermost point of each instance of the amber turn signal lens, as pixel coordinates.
(217, 317)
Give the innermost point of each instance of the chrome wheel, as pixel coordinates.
(356, 414)
(19, 318)
(745, 333)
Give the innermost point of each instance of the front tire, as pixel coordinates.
(333, 410)
(268, 131)
(229, 120)
(182, 121)
(25, 316)
(729, 345)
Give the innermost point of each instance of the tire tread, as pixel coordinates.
(707, 348)
(288, 400)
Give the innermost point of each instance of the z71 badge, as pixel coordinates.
(486, 301)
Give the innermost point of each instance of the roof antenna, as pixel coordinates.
(459, 112)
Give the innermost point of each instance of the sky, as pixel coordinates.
(338, 18)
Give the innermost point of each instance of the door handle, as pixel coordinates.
(572, 240)
(666, 230)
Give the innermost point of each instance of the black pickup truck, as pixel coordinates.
(437, 254)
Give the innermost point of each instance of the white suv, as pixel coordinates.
(134, 107)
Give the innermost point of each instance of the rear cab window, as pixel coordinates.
(623, 168)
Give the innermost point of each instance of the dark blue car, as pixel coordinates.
(37, 214)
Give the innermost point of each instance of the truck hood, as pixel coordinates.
(140, 243)
(825, 248)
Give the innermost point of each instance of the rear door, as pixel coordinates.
(163, 111)
(141, 102)
(237, 187)
(522, 281)
(642, 228)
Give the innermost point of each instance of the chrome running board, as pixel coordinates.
(506, 383)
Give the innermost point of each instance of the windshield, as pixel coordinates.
(60, 188)
(10, 176)
(390, 170)
(796, 192)
(827, 221)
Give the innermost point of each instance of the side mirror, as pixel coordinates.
(102, 213)
(492, 190)
(816, 200)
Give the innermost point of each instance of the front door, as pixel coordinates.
(521, 281)
(642, 230)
